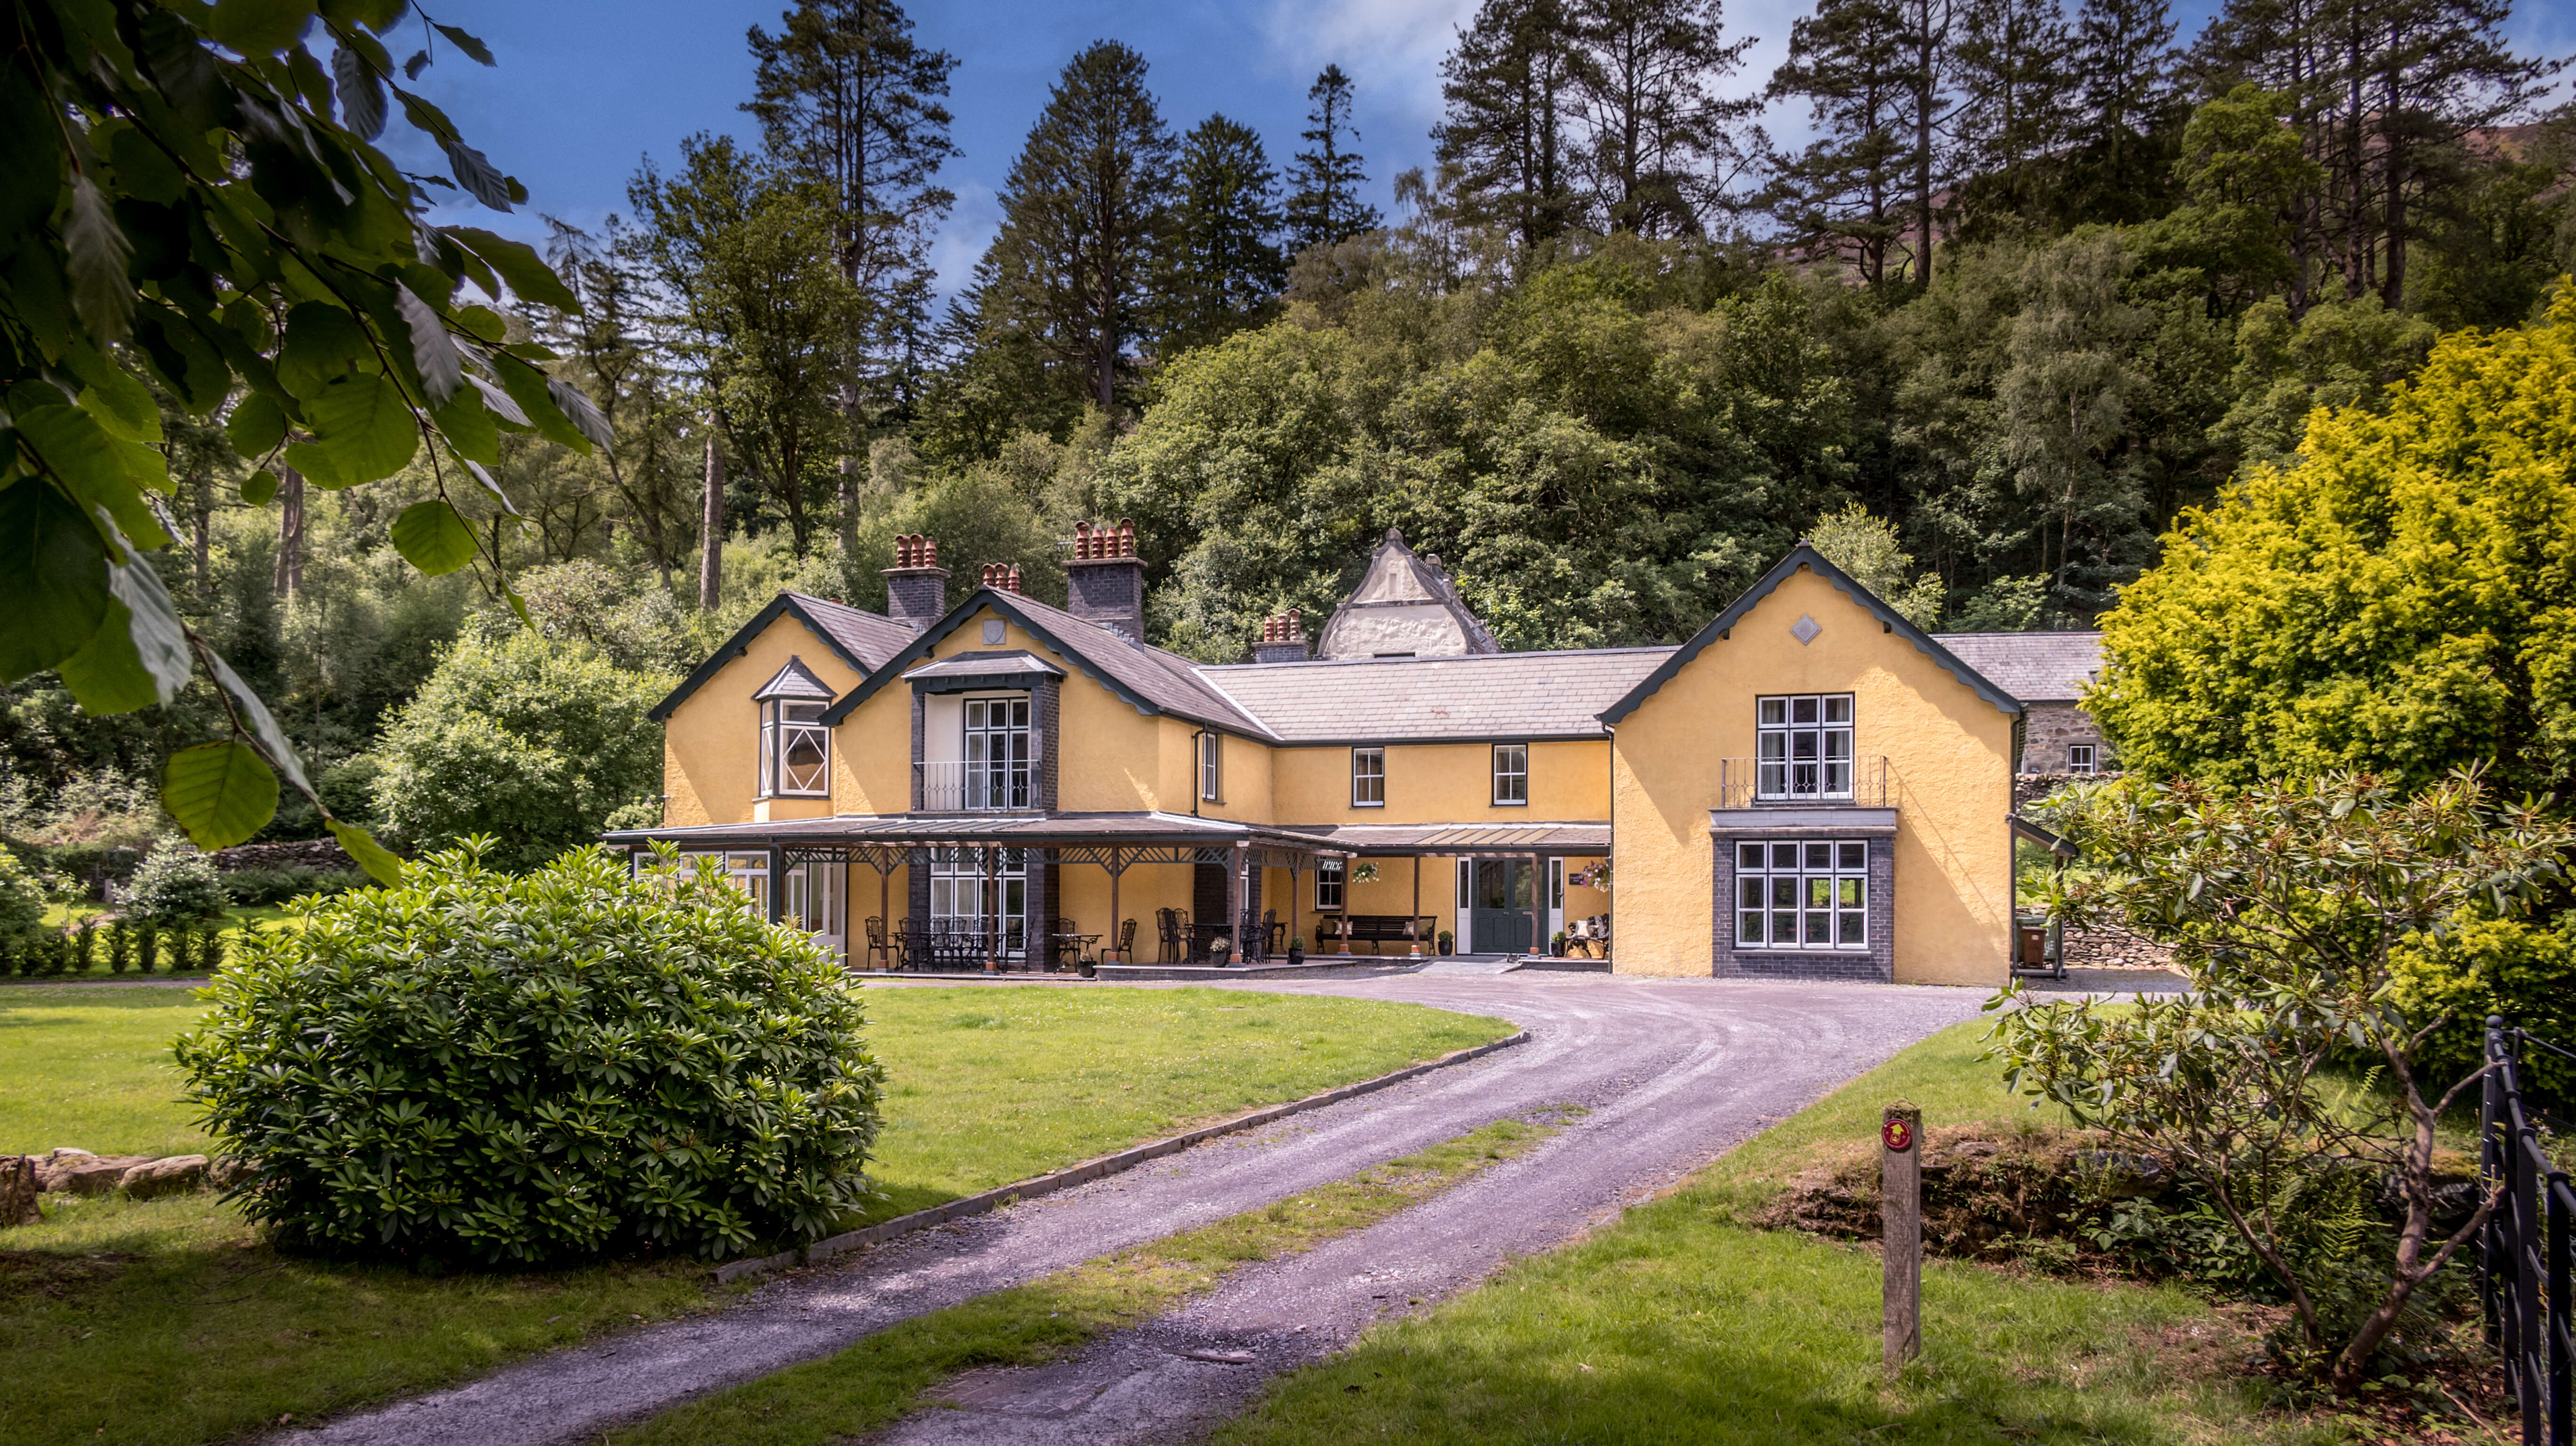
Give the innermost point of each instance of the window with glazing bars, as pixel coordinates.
(2079, 758)
(795, 749)
(998, 752)
(1803, 746)
(1802, 895)
(1328, 884)
(1511, 773)
(1368, 778)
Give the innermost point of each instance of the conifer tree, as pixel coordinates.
(2132, 111)
(2011, 68)
(1226, 271)
(1086, 209)
(1853, 62)
(1324, 205)
(846, 96)
(1507, 90)
(1661, 148)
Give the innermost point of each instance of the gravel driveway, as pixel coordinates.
(1673, 1073)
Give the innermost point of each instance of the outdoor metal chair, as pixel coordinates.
(1125, 948)
(1173, 926)
(877, 948)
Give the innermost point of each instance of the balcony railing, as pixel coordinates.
(1008, 787)
(1802, 782)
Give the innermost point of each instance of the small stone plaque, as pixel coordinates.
(1805, 629)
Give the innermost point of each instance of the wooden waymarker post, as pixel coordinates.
(1900, 1185)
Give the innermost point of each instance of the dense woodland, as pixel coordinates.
(2036, 281)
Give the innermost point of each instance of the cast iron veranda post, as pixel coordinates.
(777, 882)
(1900, 1186)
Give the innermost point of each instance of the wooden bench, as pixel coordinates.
(1374, 929)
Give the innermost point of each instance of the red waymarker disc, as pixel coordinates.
(1898, 1135)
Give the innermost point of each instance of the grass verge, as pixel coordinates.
(1682, 1324)
(891, 1373)
(170, 1322)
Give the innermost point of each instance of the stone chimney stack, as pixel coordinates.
(1105, 580)
(1002, 576)
(1283, 638)
(916, 586)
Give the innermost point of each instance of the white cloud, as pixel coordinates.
(962, 238)
(1393, 48)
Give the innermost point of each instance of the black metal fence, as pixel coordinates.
(2522, 1254)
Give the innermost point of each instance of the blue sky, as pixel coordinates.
(585, 90)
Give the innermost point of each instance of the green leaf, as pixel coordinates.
(257, 426)
(321, 341)
(53, 578)
(433, 537)
(442, 367)
(578, 408)
(467, 43)
(94, 253)
(259, 27)
(469, 428)
(362, 93)
(372, 856)
(221, 793)
(263, 725)
(97, 468)
(518, 265)
(258, 487)
(475, 172)
(116, 397)
(139, 656)
(364, 430)
(527, 386)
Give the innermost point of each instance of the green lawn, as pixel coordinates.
(1681, 1324)
(168, 1321)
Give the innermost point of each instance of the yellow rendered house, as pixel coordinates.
(1811, 787)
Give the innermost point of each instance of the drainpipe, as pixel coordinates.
(1198, 769)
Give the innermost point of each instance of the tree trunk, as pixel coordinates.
(711, 539)
(1923, 45)
(200, 517)
(290, 532)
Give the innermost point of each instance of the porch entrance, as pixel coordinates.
(1494, 899)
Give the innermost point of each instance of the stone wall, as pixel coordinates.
(316, 853)
(2048, 729)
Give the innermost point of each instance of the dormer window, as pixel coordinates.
(795, 746)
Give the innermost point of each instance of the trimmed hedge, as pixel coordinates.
(528, 1069)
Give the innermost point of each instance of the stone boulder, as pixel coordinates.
(83, 1173)
(18, 1191)
(225, 1171)
(173, 1175)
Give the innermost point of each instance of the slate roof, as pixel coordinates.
(977, 665)
(1464, 839)
(1508, 696)
(868, 636)
(2034, 667)
(1153, 680)
(793, 681)
(862, 640)
(1805, 556)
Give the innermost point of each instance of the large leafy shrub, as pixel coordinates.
(528, 739)
(22, 900)
(2400, 597)
(564, 1065)
(175, 885)
(277, 885)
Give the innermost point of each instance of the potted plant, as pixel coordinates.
(1446, 940)
(1556, 944)
(1296, 951)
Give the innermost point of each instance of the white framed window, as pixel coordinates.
(1808, 894)
(1328, 884)
(1001, 754)
(2079, 758)
(1511, 775)
(1368, 778)
(795, 750)
(1212, 766)
(1803, 746)
(974, 891)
